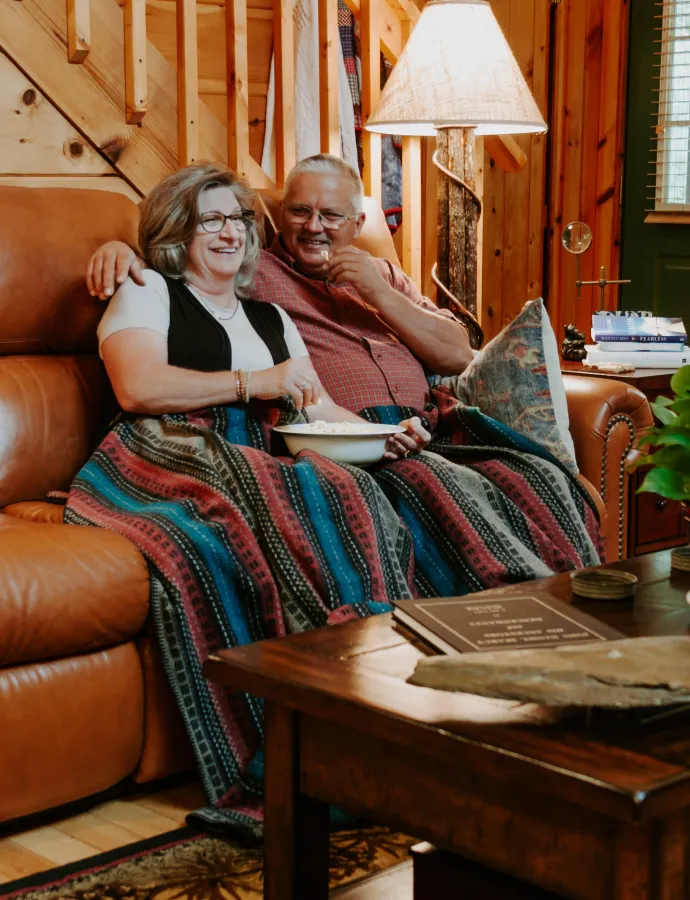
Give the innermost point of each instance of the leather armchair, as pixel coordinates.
(82, 692)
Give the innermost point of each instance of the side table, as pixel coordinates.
(654, 522)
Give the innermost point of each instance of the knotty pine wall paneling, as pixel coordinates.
(160, 21)
(587, 128)
(514, 204)
(39, 147)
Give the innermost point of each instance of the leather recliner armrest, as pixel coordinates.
(606, 419)
(66, 589)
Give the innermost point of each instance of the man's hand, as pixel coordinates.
(108, 269)
(357, 267)
(413, 440)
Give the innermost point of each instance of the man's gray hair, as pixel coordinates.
(326, 164)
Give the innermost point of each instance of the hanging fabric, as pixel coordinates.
(307, 114)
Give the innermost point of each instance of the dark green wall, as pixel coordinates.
(655, 257)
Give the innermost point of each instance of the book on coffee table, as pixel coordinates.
(476, 623)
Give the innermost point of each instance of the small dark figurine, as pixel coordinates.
(573, 347)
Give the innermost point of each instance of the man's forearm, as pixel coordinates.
(441, 343)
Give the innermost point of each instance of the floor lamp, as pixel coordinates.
(457, 78)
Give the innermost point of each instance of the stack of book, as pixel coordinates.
(647, 342)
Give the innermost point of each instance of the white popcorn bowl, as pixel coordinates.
(360, 448)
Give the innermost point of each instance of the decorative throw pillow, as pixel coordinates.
(516, 379)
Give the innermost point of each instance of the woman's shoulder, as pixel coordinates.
(152, 281)
(154, 289)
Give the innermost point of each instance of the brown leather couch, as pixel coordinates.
(83, 701)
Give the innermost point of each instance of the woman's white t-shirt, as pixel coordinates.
(134, 306)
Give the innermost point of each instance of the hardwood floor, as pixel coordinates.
(107, 826)
(126, 820)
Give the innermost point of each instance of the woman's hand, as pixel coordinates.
(295, 378)
(413, 440)
(109, 267)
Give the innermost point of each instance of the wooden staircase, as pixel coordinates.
(94, 95)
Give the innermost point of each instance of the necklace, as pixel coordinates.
(215, 311)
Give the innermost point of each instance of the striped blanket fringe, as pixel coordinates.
(245, 543)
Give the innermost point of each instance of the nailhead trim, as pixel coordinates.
(613, 421)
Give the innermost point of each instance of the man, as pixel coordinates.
(370, 333)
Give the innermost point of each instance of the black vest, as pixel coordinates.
(196, 340)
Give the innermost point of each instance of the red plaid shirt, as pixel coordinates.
(360, 359)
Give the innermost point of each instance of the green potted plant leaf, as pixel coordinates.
(669, 474)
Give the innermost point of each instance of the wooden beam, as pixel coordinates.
(390, 32)
(187, 83)
(371, 89)
(537, 161)
(406, 10)
(284, 63)
(88, 182)
(329, 41)
(238, 81)
(78, 30)
(135, 61)
(412, 208)
(505, 152)
(411, 195)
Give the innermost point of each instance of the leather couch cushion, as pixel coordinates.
(46, 239)
(37, 511)
(71, 727)
(166, 746)
(66, 589)
(52, 412)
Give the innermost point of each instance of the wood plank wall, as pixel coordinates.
(590, 38)
(160, 23)
(575, 51)
(514, 204)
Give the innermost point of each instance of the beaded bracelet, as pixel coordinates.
(246, 387)
(238, 385)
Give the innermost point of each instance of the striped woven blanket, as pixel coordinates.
(245, 543)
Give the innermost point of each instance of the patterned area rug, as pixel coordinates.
(186, 865)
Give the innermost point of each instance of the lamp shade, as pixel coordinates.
(456, 70)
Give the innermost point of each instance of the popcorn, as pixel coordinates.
(325, 255)
(321, 427)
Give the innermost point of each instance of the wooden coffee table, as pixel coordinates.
(599, 813)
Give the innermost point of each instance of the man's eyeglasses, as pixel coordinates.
(215, 221)
(331, 220)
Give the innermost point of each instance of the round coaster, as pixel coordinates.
(680, 558)
(603, 584)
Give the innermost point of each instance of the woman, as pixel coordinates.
(241, 544)
(191, 338)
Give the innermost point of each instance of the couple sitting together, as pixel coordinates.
(213, 341)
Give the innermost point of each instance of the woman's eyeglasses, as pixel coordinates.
(215, 221)
(331, 220)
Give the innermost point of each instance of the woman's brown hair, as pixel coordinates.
(170, 219)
